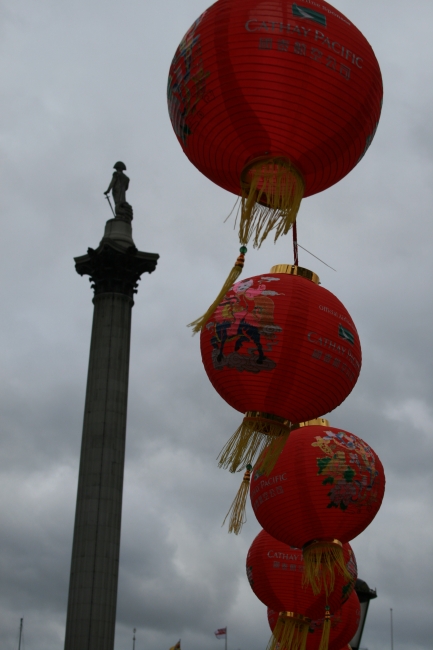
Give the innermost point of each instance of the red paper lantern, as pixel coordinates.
(344, 624)
(331, 485)
(275, 573)
(325, 489)
(281, 349)
(274, 100)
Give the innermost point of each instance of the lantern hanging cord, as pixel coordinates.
(295, 244)
(235, 207)
(317, 258)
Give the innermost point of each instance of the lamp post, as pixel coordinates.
(365, 594)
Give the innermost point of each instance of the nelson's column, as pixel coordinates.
(114, 268)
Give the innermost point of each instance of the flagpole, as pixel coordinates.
(392, 631)
(226, 636)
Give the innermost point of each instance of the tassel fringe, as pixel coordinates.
(250, 439)
(290, 633)
(198, 324)
(273, 451)
(272, 192)
(245, 444)
(321, 560)
(324, 641)
(238, 507)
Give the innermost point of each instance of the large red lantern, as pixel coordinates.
(325, 489)
(274, 100)
(281, 349)
(275, 573)
(344, 624)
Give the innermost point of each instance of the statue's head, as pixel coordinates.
(119, 166)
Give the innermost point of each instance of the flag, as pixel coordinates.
(176, 647)
(221, 633)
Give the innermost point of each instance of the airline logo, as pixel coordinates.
(305, 12)
(345, 334)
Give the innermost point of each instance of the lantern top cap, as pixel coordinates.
(317, 422)
(291, 269)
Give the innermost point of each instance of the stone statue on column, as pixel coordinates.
(118, 186)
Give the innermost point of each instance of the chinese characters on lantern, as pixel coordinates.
(301, 49)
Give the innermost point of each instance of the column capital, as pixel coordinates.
(114, 268)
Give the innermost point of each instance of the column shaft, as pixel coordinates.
(95, 553)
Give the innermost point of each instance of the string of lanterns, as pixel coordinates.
(275, 101)
(284, 590)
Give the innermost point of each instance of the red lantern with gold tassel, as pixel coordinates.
(325, 489)
(344, 624)
(275, 573)
(281, 349)
(273, 101)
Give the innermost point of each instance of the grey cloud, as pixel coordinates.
(83, 85)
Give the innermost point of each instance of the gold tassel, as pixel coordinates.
(272, 192)
(321, 559)
(290, 632)
(237, 509)
(258, 431)
(198, 324)
(324, 641)
(273, 451)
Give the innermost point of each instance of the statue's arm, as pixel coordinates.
(110, 187)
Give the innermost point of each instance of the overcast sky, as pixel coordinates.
(82, 86)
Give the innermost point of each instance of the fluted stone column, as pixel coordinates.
(114, 268)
